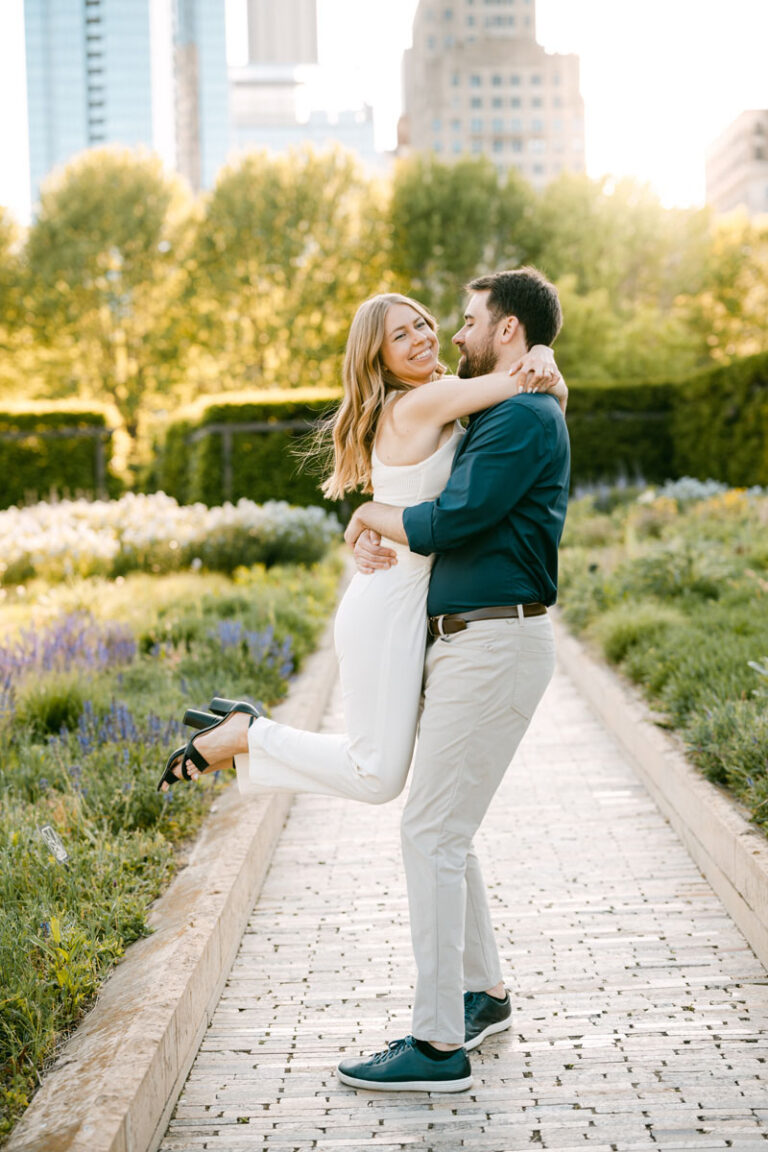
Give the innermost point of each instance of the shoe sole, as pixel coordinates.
(407, 1085)
(499, 1026)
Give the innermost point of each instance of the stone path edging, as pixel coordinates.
(115, 1083)
(731, 852)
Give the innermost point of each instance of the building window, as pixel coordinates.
(556, 78)
(470, 21)
(457, 146)
(536, 78)
(431, 43)
(456, 79)
(477, 146)
(537, 145)
(437, 146)
(498, 144)
(497, 102)
(537, 125)
(475, 81)
(476, 124)
(448, 41)
(448, 14)
(437, 124)
(515, 102)
(538, 169)
(514, 78)
(476, 102)
(516, 145)
(456, 125)
(537, 102)
(496, 80)
(497, 124)
(516, 124)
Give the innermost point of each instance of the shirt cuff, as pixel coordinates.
(417, 523)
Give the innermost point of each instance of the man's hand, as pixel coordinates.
(370, 555)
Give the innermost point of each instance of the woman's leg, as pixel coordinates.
(380, 638)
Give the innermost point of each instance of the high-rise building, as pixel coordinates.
(266, 92)
(282, 33)
(131, 72)
(737, 166)
(477, 82)
(201, 90)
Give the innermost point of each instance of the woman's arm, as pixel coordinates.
(440, 402)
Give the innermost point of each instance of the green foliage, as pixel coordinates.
(451, 222)
(263, 465)
(285, 251)
(674, 590)
(104, 275)
(620, 429)
(720, 425)
(94, 781)
(36, 459)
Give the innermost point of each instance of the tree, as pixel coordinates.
(451, 222)
(286, 250)
(105, 270)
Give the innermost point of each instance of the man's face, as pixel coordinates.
(476, 339)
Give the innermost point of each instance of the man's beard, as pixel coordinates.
(478, 363)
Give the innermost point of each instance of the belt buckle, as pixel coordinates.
(440, 633)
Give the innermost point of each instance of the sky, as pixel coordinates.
(660, 78)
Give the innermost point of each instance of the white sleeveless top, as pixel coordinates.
(403, 485)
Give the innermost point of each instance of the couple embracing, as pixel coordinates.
(444, 630)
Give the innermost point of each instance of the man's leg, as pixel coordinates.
(482, 966)
(482, 687)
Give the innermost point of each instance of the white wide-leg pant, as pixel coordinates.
(480, 691)
(380, 636)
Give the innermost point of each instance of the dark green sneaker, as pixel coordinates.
(484, 1015)
(403, 1068)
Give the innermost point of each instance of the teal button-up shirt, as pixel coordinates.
(496, 526)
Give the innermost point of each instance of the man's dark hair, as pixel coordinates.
(529, 296)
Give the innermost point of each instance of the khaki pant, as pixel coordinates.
(481, 689)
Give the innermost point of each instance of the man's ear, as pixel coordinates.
(509, 329)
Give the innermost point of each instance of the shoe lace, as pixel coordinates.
(393, 1048)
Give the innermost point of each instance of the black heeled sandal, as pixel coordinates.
(169, 776)
(190, 752)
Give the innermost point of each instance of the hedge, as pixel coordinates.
(213, 452)
(620, 430)
(61, 449)
(714, 424)
(720, 426)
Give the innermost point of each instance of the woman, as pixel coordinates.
(395, 434)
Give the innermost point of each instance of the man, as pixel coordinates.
(495, 531)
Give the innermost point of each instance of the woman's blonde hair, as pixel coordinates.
(367, 385)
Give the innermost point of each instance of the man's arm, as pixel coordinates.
(384, 519)
(491, 475)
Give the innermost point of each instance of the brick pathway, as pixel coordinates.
(640, 1014)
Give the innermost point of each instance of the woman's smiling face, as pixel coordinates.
(410, 347)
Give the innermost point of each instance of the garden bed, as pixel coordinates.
(94, 677)
(671, 585)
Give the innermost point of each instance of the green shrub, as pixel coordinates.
(625, 627)
(729, 741)
(46, 705)
(720, 424)
(54, 448)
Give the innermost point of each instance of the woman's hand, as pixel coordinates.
(537, 369)
(539, 373)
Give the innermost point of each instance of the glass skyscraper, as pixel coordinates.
(130, 72)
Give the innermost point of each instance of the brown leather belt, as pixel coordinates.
(452, 622)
